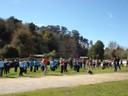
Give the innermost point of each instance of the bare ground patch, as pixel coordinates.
(22, 84)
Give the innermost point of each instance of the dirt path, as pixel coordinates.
(22, 84)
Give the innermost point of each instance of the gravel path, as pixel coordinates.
(22, 84)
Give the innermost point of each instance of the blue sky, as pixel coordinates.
(105, 20)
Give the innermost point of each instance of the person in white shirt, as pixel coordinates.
(21, 66)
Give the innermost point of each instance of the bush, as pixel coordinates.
(52, 54)
(9, 52)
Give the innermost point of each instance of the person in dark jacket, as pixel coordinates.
(115, 64)
(6, 67)
(16, 65)
(31, 65)
(118, 63)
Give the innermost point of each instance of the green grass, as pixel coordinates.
(116, 88)
(39, 73)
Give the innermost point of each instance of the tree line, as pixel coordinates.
(19, 39)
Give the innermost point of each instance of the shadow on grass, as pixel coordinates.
(54, 74)
(125, 70)
(10, 77)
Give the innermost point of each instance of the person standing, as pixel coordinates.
(61, 65)
(115, 64)
(16, 64)
(35, 65)
(53, 64)
(121, 63)
(1, 67)
(75, 64)
(65, 66)
(90, 63)
(25, 66)
(118, 63)
(78, 65)
(6, 66)
(84, 64)
(21, 66)
(71, 63)
(45, 62)
(31, 65)
(42, 66)
(127, 63)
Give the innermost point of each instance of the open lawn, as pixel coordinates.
(116, 88)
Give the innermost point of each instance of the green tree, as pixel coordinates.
(112, 48)
(51, 54)
(75, 44)
(97, 50)
(2, 32)
(32, 28)
(41, 40)
(11, 24)
(23, 40)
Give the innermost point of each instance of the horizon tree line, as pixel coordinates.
(19, 39)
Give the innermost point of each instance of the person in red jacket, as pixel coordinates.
(45, 62)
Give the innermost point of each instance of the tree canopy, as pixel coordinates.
(28, 38)
(97, 50)
(19, 39)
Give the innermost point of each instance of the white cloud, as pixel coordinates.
(110, 15)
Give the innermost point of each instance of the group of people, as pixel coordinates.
(74, 64)
(23, 65)
(115, 63)
(34, 65)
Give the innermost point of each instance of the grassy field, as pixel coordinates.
(39, 73)
(116, 88)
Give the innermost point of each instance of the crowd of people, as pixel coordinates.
(75, 64)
